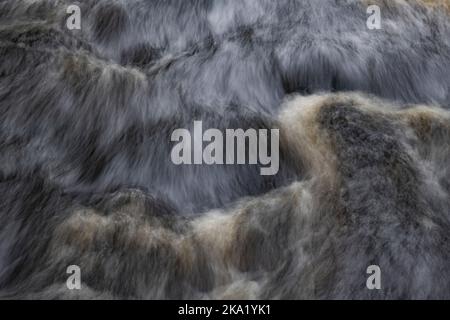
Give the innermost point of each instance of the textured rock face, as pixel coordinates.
(86, 178)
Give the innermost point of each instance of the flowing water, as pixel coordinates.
(86, 176)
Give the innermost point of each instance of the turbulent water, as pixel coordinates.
(86, 177)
